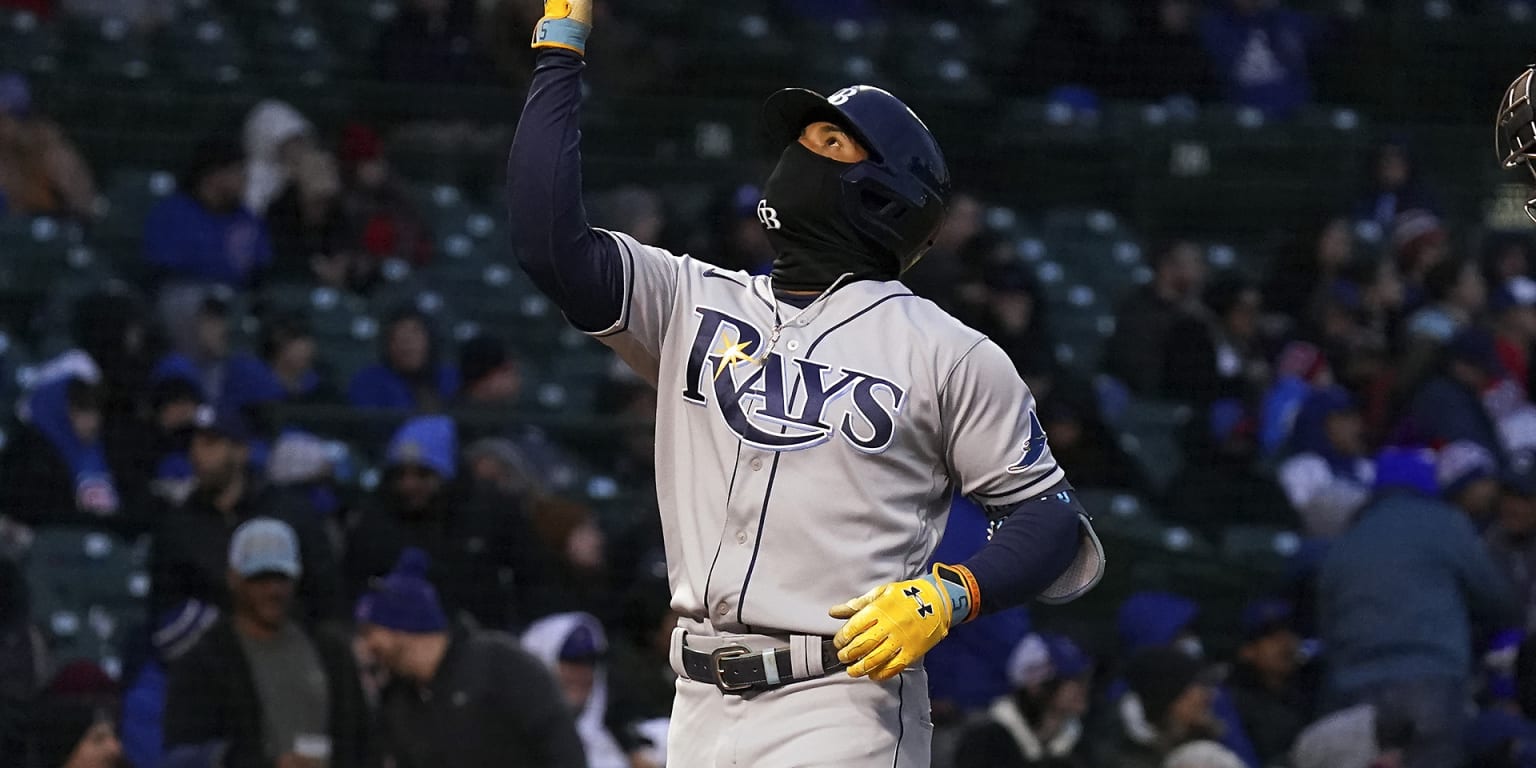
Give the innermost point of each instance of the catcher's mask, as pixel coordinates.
(1515, 129)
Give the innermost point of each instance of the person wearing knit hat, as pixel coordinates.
(73, 722)
(1468, 478)
(477, 539)
(458, 696)
(1398, 596)
(1169, 704)
(1040, 722)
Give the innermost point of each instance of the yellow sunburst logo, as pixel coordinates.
(731, 353)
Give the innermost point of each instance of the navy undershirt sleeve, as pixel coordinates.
(579, 269)
(1030, 548)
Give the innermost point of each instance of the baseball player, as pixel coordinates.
(811, 427)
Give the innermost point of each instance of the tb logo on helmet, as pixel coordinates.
(768, 216)
(841, 97)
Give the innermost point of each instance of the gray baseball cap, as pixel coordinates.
(264, 545)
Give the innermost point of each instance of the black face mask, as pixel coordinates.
(812, 238)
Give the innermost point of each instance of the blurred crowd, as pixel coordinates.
(1370, 392)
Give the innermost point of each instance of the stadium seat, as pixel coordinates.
(1150, 433)
(89, 592)
(203, 47)
(109, 48)
(26, 43)
(1259, 546)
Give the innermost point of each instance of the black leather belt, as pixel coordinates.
(738, 669)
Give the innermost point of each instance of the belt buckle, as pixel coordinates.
(721, 654)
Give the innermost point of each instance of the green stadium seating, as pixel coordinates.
(89, 591)
(203, 47)
(1150, 432)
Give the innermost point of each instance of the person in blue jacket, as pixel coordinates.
(410, 375)
(142, 730)
(1259, 51)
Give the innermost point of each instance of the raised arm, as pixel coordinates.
(577, 268)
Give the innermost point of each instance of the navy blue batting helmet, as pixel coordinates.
(897, 197)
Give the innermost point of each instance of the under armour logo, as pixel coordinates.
(768, 216)
(923, 609)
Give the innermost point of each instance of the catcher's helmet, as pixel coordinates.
(897, 197)
(1515, 129)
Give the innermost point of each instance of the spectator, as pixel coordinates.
(1499, 682)
(1468, 480)
(499, 466)
(384, 223)
(487, 563)
(576, 546)
(1507, 255)
(73, 722)
(1080, 439)
(1161, 620)
(430, 41)
(202, 236)
(61, 456)
(191, 540)
(950, 273)
(1014, 315)
(278, 695)
(1499, 739)
(1221, 474)
(1309, 267)
(1408, 658)
(489, 372)
(409, 376)
(1511, 539)
(278, 140)
(1259, 51)
(1040, 723)
(1456, 294)
(145, 15)
(1417, 242)
(144, 703)
(458, 698)
(1449, 407)
(41, 171)
(1395, 187)
(1300, 369)
(1220, 355)
(1514, 325)
(640, 673)
(174, 402)
(1328, 476)
(23, 657)
(308, 221)
(204, 360)
(1168, 705)
(1162, 57)
(302, 465)
(1353, 738)
(1137, 351)
(573, 647)
(1203, 754)
(1264, 684)
(282, 372)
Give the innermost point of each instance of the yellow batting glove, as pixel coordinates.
(890, 627)
(566, 24)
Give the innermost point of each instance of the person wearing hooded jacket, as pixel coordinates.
(409, 375)
(1327, 477)
(277, 137)
(1039, 723)
(486, 563)
(574, 648)
(58, 471)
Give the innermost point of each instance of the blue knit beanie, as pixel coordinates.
(404, 600)
(1406, 469)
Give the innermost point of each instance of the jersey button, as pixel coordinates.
(793, 345)
(756, 464)
(722, 609)
(741, 537)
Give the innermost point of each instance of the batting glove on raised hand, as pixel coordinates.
(890, 627)
(566, 24)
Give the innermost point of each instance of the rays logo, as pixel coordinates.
(1034, 446)
(761, 405)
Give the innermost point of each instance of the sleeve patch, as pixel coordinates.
(1034, 447)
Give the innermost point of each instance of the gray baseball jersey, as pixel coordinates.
(805, 456)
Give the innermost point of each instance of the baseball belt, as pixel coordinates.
(736, 669)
